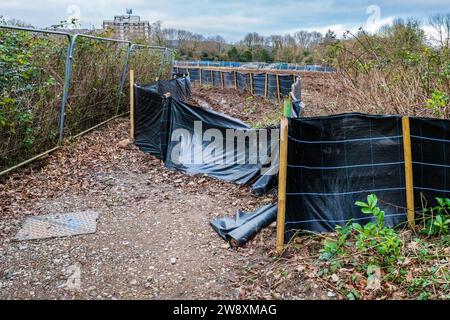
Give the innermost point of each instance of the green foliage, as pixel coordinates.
(233, 54)
(373, 237)
(438, 102)
(31, 87)
(437, 219)
(246, 56)
(385, 241)
(249, 106)
(333, 248)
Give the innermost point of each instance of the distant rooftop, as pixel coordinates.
(126, 19)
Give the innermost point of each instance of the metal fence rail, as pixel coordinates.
(55, 86)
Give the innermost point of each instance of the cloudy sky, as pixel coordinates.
(233, 18)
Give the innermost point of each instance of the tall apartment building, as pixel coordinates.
(128, 27)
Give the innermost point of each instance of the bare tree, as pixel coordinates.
(441, 24)
(303, 38)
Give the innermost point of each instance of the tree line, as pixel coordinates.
(301, 47)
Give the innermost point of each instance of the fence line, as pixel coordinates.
(30, 122)
(256, 65)
(273, 84)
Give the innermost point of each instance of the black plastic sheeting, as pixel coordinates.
(217, 79)
(243, 82)
(191, 151)
(335, 161)
(150, 125)
(259, 84)
(246, 224)
(286, 82)
(430, 147)
(175, 132)
(179, 88)
(229, 80)
(272, 86)
(194, 74)
(159, 119)
(296, 109)
(207, 77)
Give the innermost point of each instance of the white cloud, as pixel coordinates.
(232, 18)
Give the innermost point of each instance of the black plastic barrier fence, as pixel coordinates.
(430, 147)
(151, 113)
(338, 160)
(285, 84)
(243, 82)
(194, 74)
(259, 84)
(176, 132)
(270, 85)
(206, 77)
(217, 76)
(229, 80)
(195, 140)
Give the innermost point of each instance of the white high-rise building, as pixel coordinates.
(128, 27)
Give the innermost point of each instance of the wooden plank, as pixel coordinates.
(251, 83)
(408, 171)
(281, 217)
(132, 105)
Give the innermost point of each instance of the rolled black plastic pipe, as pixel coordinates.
(240, 230)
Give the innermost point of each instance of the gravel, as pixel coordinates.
(153, 238)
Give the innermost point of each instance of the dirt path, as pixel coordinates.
(153, 238)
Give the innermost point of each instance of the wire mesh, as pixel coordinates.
(32, 69)
(43, 72)
(95, 83)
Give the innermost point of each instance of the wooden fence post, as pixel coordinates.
(131, 105)
(222, 80)
(408, 171)
(235, 80)
(281, 217)
(201, 75)
(251, 83)
(266, 84)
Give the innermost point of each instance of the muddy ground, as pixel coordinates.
(153, 238)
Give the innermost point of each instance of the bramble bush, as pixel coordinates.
(32, 71)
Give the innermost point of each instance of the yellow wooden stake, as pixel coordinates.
(251, 83)
(266, 86)
(235, 80)
(408, 171)
(222, 80)
(281, 218)
(131, 105)
(201, 74)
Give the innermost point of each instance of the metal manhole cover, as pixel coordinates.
(58, 225)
